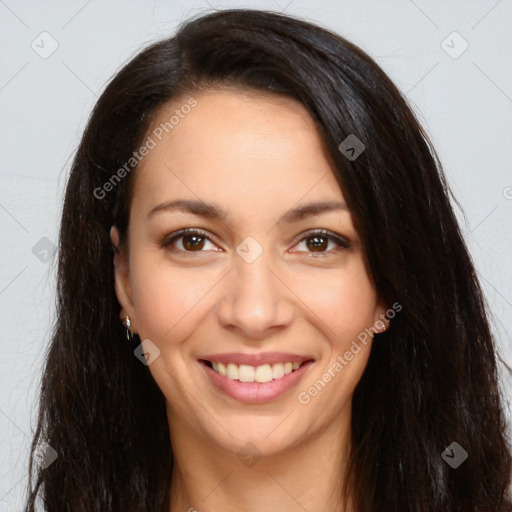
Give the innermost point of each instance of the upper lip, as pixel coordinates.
(259, 359)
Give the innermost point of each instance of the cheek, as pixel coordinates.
(166, 300)
(344, 302)
(346, 305)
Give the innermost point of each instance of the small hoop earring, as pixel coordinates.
(129, 334)
(384, 328)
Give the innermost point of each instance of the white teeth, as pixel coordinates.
(277, 370)
(245, 373)
(263, 373)
(232, 371)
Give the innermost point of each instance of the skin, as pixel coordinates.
(256, 155)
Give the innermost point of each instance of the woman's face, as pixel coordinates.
(258, 286)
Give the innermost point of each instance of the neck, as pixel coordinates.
(308, 476)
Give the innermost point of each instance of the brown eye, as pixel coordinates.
(192, 242)
(322, 241)
(317, 243)
(187, 240)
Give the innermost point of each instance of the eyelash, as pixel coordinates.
(168, 241)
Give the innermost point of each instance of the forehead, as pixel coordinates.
(239, 148)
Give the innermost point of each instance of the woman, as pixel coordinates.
(303, 328)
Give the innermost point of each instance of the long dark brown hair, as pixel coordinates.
(431, 379)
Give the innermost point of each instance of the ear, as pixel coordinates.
(122, 279)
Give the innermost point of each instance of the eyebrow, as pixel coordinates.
(214, 212)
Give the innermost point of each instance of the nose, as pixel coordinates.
(256, 301)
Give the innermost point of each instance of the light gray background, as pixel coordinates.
(465, 104)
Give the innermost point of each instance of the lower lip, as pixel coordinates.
(255, 392)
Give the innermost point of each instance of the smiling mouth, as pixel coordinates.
(259, 374)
